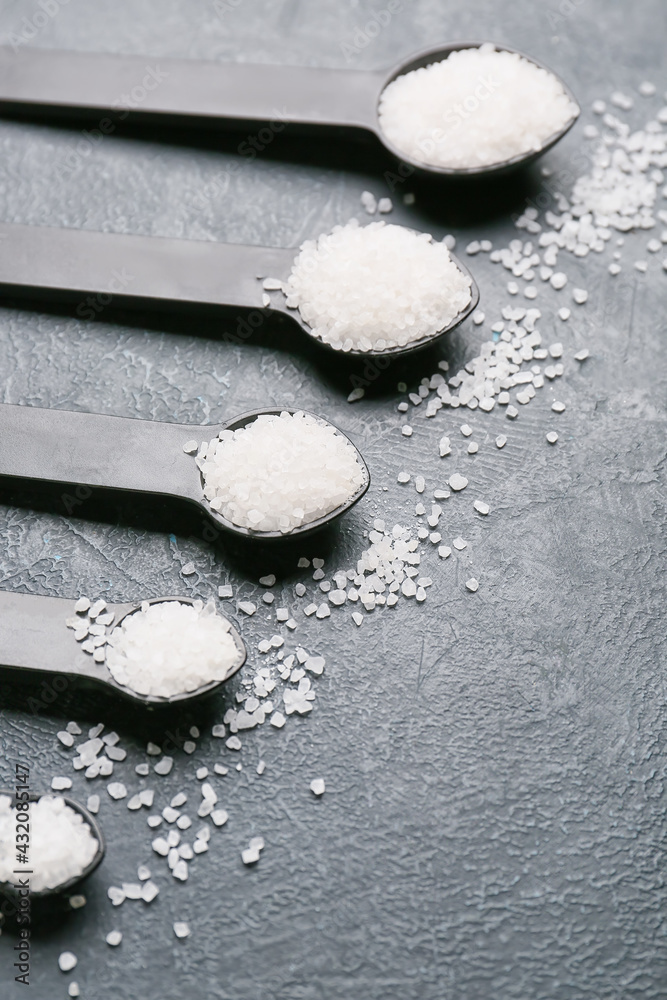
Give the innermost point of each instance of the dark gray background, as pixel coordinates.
(494, 819)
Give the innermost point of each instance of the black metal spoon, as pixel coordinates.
(34, 637)
(138, 456)
(9, 888)
(92, 268)
(241, 94)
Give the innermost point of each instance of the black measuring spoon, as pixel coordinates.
(11, 889)
(34, 637)
(241, 94)
(75, 264)
(137, 456)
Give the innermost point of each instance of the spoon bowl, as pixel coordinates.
(34, 639)
(429, 56)
(8, 887)
(310, 526)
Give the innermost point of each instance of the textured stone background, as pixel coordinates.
(495, 816)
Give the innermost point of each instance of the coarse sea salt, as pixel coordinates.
(476, 108)
(170, 648)
(374, 287)
(62, 844)
(280, 472)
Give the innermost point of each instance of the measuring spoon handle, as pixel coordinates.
(33, 636)
(119, 85)
(94, 268)
(89, 450)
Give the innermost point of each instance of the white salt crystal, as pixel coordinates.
(317, 786)
(472, 584)
(181, 929)
(164, 765)
(67, 961)
(552, 437)
(458, 482)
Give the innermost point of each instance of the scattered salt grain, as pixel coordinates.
(67, 961)
(472, 584)
(114, 938)
(317, 786)
(61, 784)
(458, 482)
(181, 929)
(251, 855)
(164, 765)
(481, 507)
(552, 437)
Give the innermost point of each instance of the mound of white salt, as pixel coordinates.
(476, 108)
(61, 844)
(171, 648)
(279, 472)
(374, 287)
